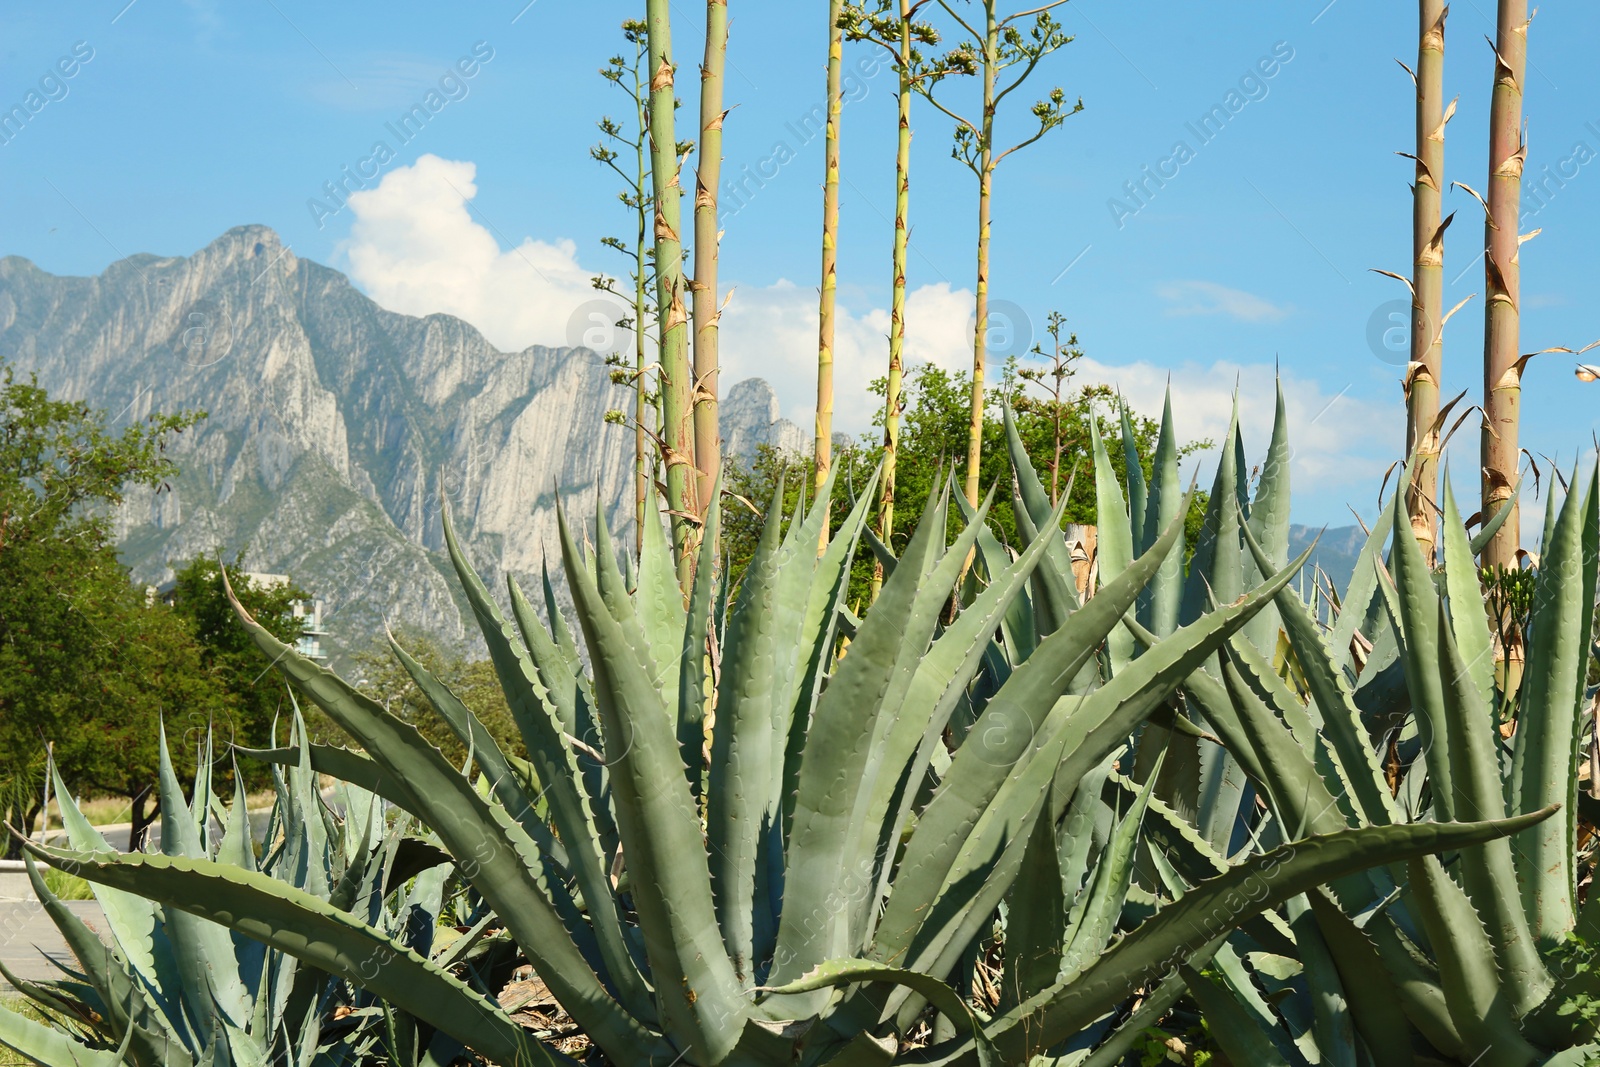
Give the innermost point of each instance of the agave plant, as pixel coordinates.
(174, 989)
(735, 844)
(1481, 957)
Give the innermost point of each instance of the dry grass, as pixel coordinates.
(529, 1003)
(111, 811)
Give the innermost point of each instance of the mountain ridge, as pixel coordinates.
(337, 430)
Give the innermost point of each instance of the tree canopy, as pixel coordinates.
(88, 662)
(933, 439)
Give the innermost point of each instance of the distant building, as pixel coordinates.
(308, 611)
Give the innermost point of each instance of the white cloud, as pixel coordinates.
(1209, 298)
(416, 248)
(771, 333)
(1341, 445)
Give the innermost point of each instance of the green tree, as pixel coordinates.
(936, 422)
(88, 663)
(156, 679)
(472, 680)
(198, 596)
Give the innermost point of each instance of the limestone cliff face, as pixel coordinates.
(337, 430)
(748, 414)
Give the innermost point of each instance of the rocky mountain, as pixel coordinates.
(337, 430)
(1337, 549)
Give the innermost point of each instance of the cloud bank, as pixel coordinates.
(418, 247)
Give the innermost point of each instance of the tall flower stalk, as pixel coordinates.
(1502, 364)
(703, 289)
(677, 385)
(823, 449)
(891, 25)
(999, 46)
(1425, 370)
(635, 195)
(1053, 379)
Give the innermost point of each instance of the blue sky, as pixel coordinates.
(193, 117)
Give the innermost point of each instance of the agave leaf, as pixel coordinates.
(566, 690)
(1114, 541)
(1161, 601)
(881, 552)
(495, 854)
(203, 951)
(1018, 629)
(1036, 919)
(1375, 1004)
(825, 614)
(826, 618)
(132, 919)
(561, 674)
(505, 783)
(237, 846)
(1004, 734)
(50, 1047)
(941, 680)
(696, 986)
(692, 668)
(659, 603)
(1152, 1008)
(1055, 596)
(1217, 572)
(1269, 521)
(312, 930)
(1544, 769)
(1170, 835)
(150, 1030)
(1261, 882)
(1473, 989)
(1333, 1034)
(1217, 569)
(805, 593)
(342, 764)
(745, 749)
(1552, 511)
(1238, 1033)
(554, 759)
(558, 622)
(872, 675)
(1335, 703)
(1468, 620)
(1276, 694)
(1489, 873)
(308, 825)
(615, 593)
(1463, 768)
(805, 590)
(1415, 602)
(1485, 534)
(1363, 586)
(1301, 797)
(1094, 922)
(1077, 736)
(945, 1000)
(1138, 492)
(1088, 824)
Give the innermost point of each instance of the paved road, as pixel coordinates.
(29, 940)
